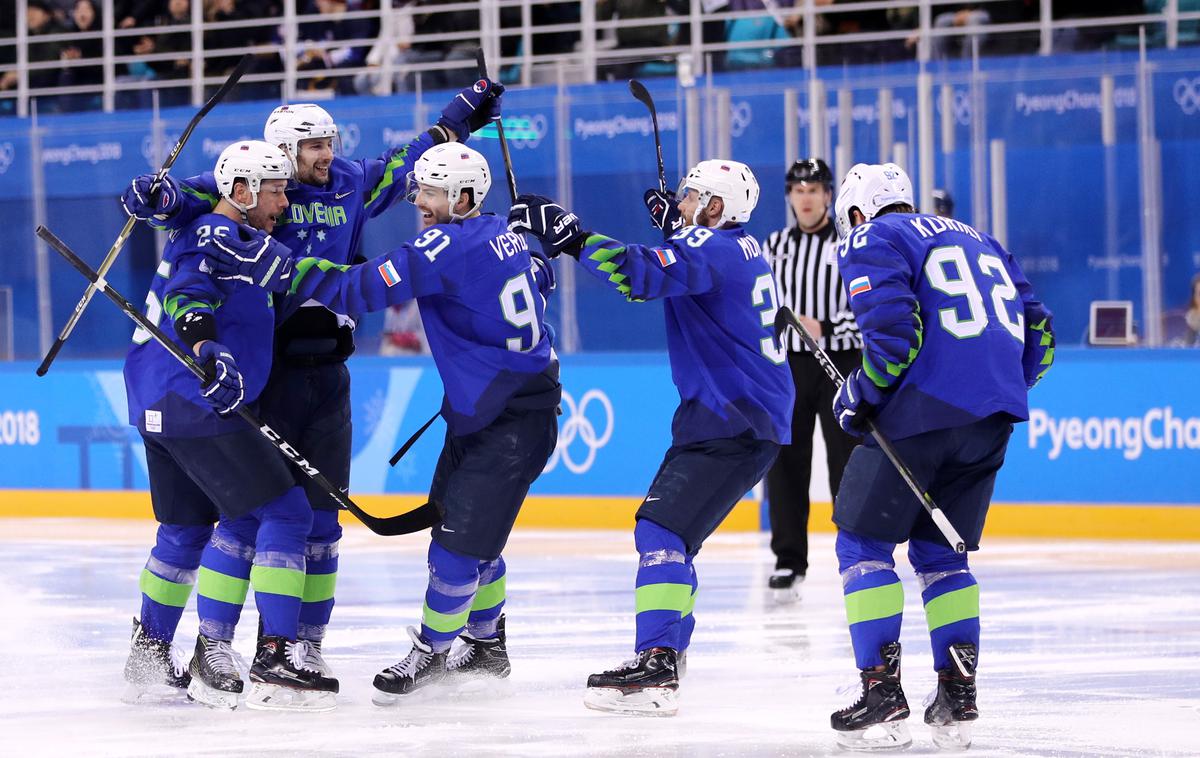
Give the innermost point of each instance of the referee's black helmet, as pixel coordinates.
(810, 170)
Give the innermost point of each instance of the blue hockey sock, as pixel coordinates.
(873, 594)
(166, 581)
(663, 586)
(278, 573)
(453, 579)
(687, 624)
(951, 597)
(320, 574)
(489, 600)
(225, 577)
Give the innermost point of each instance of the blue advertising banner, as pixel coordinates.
(1107, 427)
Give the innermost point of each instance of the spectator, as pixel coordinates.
(855, 22)
(772, 25)
(1191, 337)
(451, 22)
(1073, 38)
(39, 17)
(178, 14)
(85, 19)
(395, 54)
(630, 38)
(318, 56)
(403, 333)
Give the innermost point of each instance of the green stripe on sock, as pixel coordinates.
(664, 597)
(319, 587)
(277, 581)
(443, 622)
(875, 603)
(490, 595)
(162, 591)
(691, 603)
(953, 606)
(217, 586)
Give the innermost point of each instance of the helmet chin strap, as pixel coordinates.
(459, 217)
(245, 209)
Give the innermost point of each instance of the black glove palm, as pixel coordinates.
(557, 228)
(663, 212)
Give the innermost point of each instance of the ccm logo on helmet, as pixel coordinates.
(480, 86)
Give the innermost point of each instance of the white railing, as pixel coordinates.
(596, 44)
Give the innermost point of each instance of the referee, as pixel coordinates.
(804, 261)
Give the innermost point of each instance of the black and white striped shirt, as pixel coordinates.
(806, 275)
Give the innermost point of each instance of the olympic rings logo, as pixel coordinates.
(532, 135)
(349, 135)
(1187, 95)
(740, 116)
(7, 154)
(578, 426)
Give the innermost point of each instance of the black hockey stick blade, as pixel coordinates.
(242, 67)
(481, 67)
(784, 318)
(639, 91)
(403, 524)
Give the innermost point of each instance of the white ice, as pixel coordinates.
(1089, 648)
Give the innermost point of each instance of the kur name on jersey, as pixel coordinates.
(508, 244)
(928, 226)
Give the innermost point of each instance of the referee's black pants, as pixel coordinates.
(788, 479)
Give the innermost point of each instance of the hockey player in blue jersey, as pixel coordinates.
(205, 463)
(482, 299)
(735, 399)
(953, 340)
(307, 397)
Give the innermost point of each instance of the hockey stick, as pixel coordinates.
(241, 68)
(508, 168)
(639, 91)
(415, 520)
(785, 318)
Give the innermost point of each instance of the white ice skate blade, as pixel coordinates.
(436, 691)
(651, 701)
(201, 693)
(953, 736)
(274, 697)
(786, 596)
(890, 735)
(137, 694)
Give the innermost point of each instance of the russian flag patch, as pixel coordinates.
(666, 256)
(390, 276)
(860, 285)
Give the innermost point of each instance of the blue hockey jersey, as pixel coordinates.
(325, 222)
(720, 308)
(482, 299)
(951, 327)
(164, 396)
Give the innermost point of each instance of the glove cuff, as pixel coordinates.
(196, 326)
(441, 133)
(574, 247)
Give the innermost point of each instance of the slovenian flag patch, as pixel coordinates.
(860, 285)
(390, 277)
(666, 256)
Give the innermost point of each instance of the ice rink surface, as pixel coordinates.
(1089, 648)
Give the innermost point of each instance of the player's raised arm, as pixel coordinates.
(179, 201)
(639, 272)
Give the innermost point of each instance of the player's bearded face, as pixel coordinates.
(312, 161)
(272, 202)
(810, 203)
(433, 204)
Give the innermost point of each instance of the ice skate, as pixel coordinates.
(420, 668)
(952, 707)
(876, 720)
(313, 659)
(281, 679)
(152, 668)
(215, 679)
(785, 585)
(481, 657)
(646, 685)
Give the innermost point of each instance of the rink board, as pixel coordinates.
(1110, 450)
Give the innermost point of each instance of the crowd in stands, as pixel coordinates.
(161, 50)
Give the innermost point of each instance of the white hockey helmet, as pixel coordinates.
(289, 124)
(731, 181)
(454, 168)
(253, 161)
(870, 188)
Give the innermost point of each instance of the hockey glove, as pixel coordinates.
(254, 257)
(557, 228)
(224, 389)
(139, 203)
(663, 213)
(855, 402)
(470, 109)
